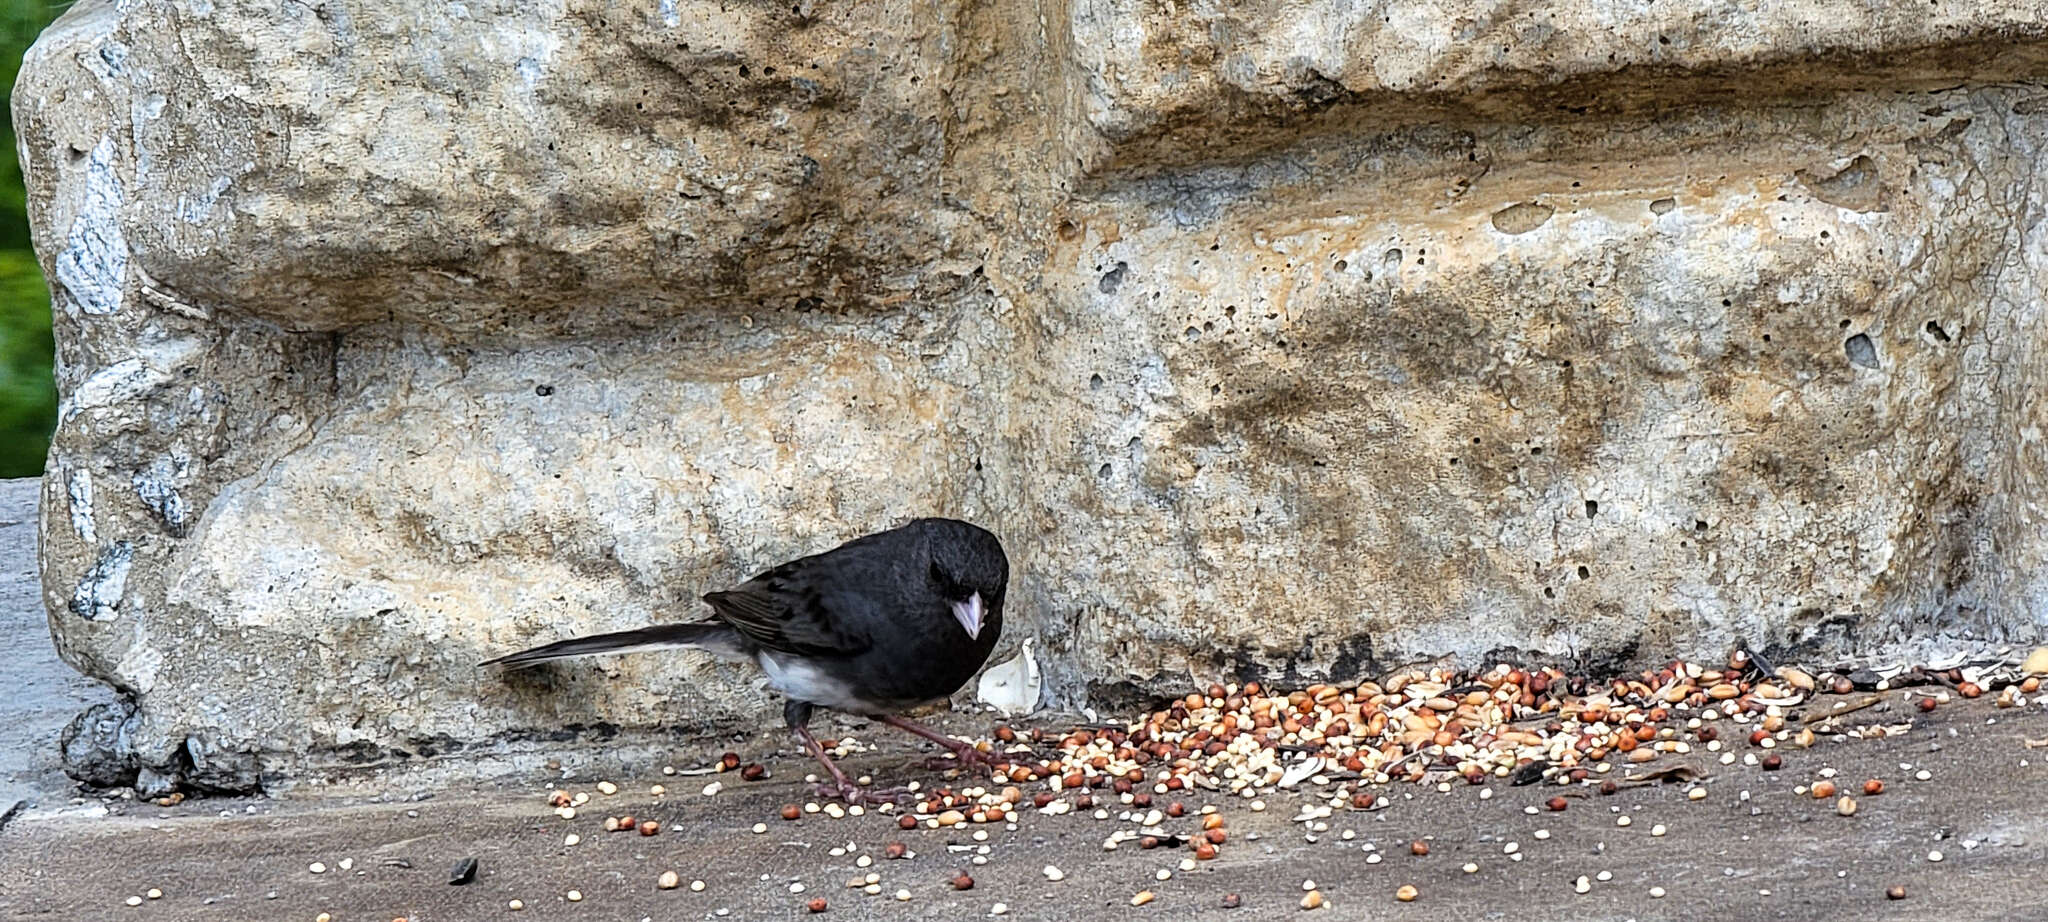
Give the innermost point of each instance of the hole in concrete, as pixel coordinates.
(1860, 350)
(1521, 218)
(1102, 471)
(1934, 329)
(543, 390)
(1663, 205)
(1342, 265)
(1585, 573)
(1592, 508)
(1113, 279)
(1094, 382)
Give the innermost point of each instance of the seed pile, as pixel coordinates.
(1523, 725)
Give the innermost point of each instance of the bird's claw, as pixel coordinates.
(966, 758)
(852, 793)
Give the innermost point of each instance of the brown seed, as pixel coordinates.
(1895, 892)
(1148, 842)
(1407, 893)
(1841, 685)
(649, 827)
(1608, 787)
(730, 761)
(1204, 851)
(753, 772)
(1216, 836)
(1418, 847)
(792, 811)
(896, 849)
(907, 822)
(1926, 704)
(1823, 790)
(1773, 762)
(1312, 900)
(1176, 809)
(1970, 689)
(1232, 901)
(2031, 685)
(817, 904)
(1557, 803)
(1213, 821)
(961, 881)
(1142, 897)
(1873, 787)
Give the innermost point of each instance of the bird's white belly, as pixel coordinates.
(800, 680)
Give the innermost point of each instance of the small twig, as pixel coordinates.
(1845, 709)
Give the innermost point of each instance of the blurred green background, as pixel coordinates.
(28, 395)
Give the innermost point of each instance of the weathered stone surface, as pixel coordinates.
(1271, 337)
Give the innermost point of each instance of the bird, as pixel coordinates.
(879, 625)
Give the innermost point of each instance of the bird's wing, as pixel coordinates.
(782, 612)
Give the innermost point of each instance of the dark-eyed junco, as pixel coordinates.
(876, 626)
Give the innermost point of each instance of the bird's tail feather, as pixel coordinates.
(704, 635)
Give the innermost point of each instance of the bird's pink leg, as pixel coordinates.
(841, 786)
(965, 753)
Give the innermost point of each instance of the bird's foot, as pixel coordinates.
(967, 757)
(852, 793)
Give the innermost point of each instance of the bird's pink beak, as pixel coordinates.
(969, 615)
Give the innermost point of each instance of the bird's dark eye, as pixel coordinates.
(945, 584)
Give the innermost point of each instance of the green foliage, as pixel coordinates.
(28, 395)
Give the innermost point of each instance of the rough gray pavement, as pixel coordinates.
(1777, 855)
(38, 694)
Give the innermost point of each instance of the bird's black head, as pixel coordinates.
(970, 571)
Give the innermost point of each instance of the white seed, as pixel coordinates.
(696, 886)
(903, 896)
(1542, 833)
(1581, 885)
(133, 901)
(760, 828)
(607, 788)
(1934, 855)
(516, 905)
(998, 909)
(1622, 820)
(1307, 885)
(1656, 893)
(1053, 873)
(1604, 876)
(657, 790)
(797, 887)
(1657, 830)
(713, 788)
(668, 880)
(317, 868)
(575, 896)
(571, 839)
(1470, 868)
(154, 894)
(1163, 874)
(1696, 794)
